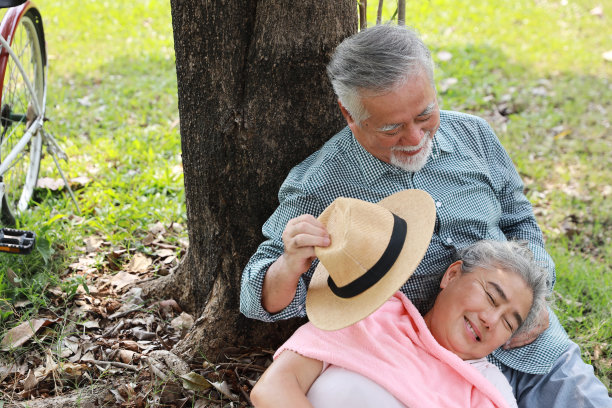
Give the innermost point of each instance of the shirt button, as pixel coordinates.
(449, 240)
(300, 307)
(438, 204)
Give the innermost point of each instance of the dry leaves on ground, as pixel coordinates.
(109, 335)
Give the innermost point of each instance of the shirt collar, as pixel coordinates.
(442, 137)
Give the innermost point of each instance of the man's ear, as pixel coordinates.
(452, 273)
(349, 119)
(347, 116)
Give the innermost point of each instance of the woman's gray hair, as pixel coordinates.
(376, 61)
(512, 256)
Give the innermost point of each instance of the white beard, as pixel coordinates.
(416, 162)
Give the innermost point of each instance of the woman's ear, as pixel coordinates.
(452, 273)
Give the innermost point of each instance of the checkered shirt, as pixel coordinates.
(478, 195)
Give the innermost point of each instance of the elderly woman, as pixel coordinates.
(395, 357)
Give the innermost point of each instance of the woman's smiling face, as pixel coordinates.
(478, 311)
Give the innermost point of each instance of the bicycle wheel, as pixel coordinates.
(17, 112)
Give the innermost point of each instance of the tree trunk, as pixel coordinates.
(254, 100)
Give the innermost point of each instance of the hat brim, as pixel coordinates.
(330, 312)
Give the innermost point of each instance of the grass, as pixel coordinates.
(112, 101)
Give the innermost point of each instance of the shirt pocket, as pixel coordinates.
(466, 214)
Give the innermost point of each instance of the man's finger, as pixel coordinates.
(306, 224)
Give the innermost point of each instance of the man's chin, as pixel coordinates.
(410, 163)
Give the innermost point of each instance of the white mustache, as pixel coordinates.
(422, 143)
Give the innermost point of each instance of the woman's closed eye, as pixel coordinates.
(491, 299)
(508, 325)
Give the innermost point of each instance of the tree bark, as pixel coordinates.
(254, 100)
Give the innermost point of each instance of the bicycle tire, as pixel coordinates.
(20, 179)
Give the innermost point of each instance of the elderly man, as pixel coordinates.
(396, 139)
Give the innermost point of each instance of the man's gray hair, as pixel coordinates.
(376, 61)
(512, 256)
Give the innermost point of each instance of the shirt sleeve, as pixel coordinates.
(294, 201)
(517, 220)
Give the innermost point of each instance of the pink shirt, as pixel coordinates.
(394, 348)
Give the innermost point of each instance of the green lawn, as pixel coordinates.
(534, 69)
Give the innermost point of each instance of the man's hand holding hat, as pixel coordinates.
(300, 237)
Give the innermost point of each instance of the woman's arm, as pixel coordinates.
(286, 382)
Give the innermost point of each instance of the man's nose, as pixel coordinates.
(412, 136)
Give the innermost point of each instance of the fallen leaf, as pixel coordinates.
(93, 243)
(11, 368)
(143, 334)
(164, 253)
(88, 357)
(79, 182)
(72, 370)
(183, 322)
(83, 264)
(130, 345)
(22, 333)
(22, 303)
(157, 228)
(166, 305)
(139, 263)
(50, 183)
(122, 279)
(30, 381)
(71, 346)
(177, 227)
(148, 240)
(118, 396)
(224, 389)
(126, 356)
(195, 382)
(171, 360)
(13, 278)
(50, 367)
(90, 324)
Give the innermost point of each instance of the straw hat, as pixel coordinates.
(374, 249)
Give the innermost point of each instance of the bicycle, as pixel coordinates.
(23, 92)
